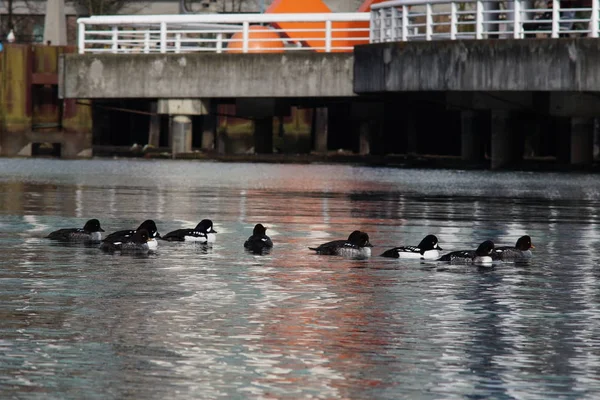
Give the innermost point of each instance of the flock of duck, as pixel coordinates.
(144, 239)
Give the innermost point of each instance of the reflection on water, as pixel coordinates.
(194, 321)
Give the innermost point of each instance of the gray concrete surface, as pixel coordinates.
(479, 65)
(206, 75)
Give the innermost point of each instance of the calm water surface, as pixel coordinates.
(191, 321)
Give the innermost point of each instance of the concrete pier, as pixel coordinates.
(320, 129)
(31, 112)
(477, 99)
(209, 132)
(154, 128)
(180, 135)
(582, 140)
(263, 135)
(472, 129)
(502, 139)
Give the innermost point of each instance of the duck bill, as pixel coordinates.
(101, 230)
(368, 244)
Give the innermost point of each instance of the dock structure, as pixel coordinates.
(410, 76)
(32, 115)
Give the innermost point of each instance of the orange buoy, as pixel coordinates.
(261, 39)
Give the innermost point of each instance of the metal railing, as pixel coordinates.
(326, 32)
(408, 20)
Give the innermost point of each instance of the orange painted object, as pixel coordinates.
(341, 37)
(310, 39)
(261, 39)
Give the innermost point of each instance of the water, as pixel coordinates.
(195, 322)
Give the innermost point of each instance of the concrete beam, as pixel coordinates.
(478, 65)
(172, 76)
(183, 106)
(572, 104)
(490, 100)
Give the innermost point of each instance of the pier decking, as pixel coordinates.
(501, 73)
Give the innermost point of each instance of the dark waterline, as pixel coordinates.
(191, 321)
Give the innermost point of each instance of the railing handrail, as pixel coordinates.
(223, 18)
(398, 20)
(168, 33)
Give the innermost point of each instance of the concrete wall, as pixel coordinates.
(206, 75)
(479, 65)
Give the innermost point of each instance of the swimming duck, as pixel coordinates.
(521, 250)
(259, 242)
(91, 233)
(483, 255)
(203, 233)
(428, 249)
(357, 245)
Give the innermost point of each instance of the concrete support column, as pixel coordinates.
(501, 133)
(561, 127)
(471, 137)
(181, 135)
(209, 132)
(209, 127)
(154, 129)
(321, 124)
(364, 137)
(263, 135)
(410, 130)
(582, 141)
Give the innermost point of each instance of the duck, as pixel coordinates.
(520, 251)
(148, 225)
(259, 242)
(357, 245)
(137, 242)
(428, 249)
(483, 255)
(91, 233)
(203, 233)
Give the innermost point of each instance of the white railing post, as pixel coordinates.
(594, 19)
(556, 18)
(453, 21)
(382, 17)
(429, 22)
(371, 25)
(163, 37)
(115, 39)
(479, 20)
(328, 34)
(81, 38)
(517, 27)
(178, 43)
(394, 25)
(219, 42)
(405, 21)
(245, 36)
(147, 42)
